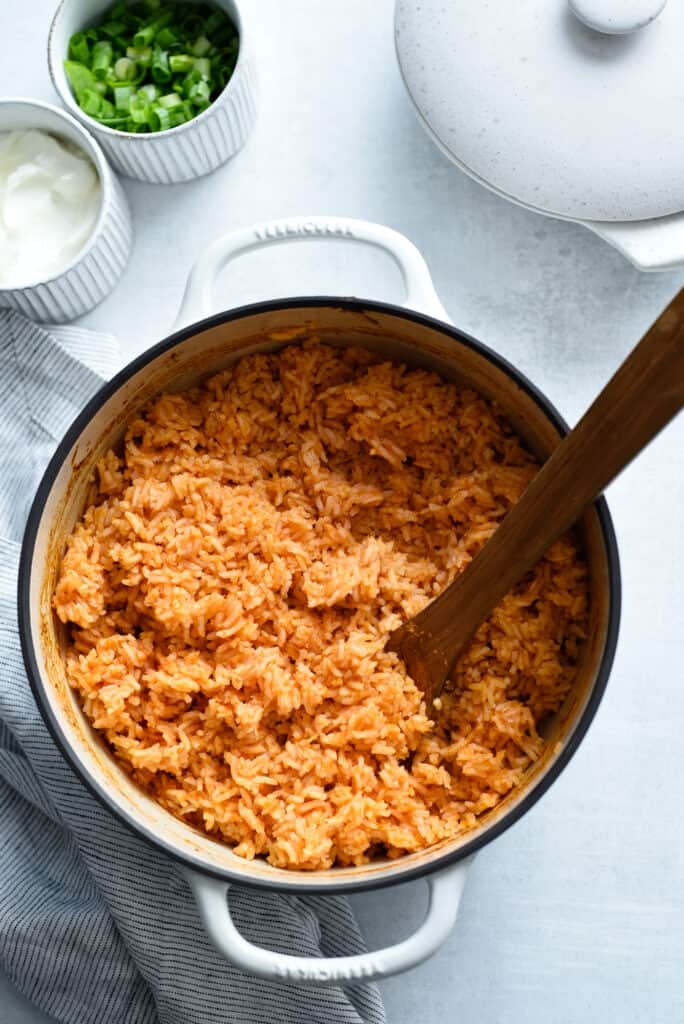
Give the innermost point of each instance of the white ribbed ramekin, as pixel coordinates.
(179, 154)
(91, 276)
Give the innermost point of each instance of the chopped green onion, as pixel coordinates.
(161, 72)
(166, 38)
(163, 118)
(199, 93)
(119, 123)
(172, 99)
(201, 46)
(91, 102)
(147, 34)
(79, 48)
(122, 97)
(125, 69)
(113, 28)
(139, 109)
(179, 115)
(81, 78)
(143, 56)
(160, 119)
(149, 91)
(151, 65)
(203, 65)
(144, 37)
(102, 59)
(181, 62)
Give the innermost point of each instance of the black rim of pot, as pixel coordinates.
(348, 884)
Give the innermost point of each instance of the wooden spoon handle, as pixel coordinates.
(645, 393)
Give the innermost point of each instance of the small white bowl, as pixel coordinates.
(93, 273)
(178, 154)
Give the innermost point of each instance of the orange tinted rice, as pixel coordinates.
(231, 584)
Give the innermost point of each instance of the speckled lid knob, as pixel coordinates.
(616, 17)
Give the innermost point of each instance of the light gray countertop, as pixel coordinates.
(575, 915)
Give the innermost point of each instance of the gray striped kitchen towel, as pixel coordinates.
(96, 926)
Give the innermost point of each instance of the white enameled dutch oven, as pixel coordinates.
(417, 333)
(572, 108)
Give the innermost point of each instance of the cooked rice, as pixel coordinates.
(232, 582)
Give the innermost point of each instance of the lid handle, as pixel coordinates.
(615, 17)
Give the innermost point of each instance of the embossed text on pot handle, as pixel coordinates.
(420, 293)
(445, 887)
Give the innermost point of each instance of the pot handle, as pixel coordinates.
(650, 245)
(445, 889)
(420, 292)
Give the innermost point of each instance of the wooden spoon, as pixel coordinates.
(644, 395)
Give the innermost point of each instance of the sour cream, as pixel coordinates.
(50, 198)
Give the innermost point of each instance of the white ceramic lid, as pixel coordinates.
(548, 111)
